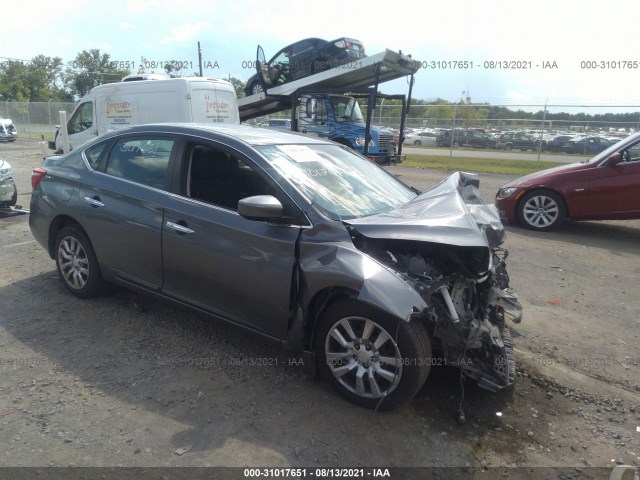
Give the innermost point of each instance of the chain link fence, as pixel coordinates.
(575, 119)
(35, 119)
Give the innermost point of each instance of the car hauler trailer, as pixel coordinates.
(326, 102)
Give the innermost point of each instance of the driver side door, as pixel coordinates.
(614, 189)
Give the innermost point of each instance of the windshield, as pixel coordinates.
(338, 181)
(346, 109)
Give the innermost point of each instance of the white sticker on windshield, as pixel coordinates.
(300, 153)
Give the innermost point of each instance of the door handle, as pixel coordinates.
(179, 228)
(94, 202)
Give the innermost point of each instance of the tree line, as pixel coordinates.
(49, 78)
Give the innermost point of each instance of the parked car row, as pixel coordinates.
(506, 141)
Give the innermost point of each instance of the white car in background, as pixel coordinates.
(8, 190)
(8, 132)
(421, 139)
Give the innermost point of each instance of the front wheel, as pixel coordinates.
(417, 143)
(77, 264)
(541, 210)
(372, 358)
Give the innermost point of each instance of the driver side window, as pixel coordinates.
(82, 118)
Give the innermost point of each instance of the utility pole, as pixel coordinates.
(200, 58)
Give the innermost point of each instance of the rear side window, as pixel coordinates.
(93, 154)
(143, 160)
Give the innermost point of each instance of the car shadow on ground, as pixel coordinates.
(221, 386)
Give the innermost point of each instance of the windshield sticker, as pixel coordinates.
(300, 153)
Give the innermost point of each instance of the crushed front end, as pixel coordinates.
(446, 245)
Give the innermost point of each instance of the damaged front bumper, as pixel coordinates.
(446, 245)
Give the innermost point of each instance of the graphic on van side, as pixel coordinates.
(216, 111)
(118, 112)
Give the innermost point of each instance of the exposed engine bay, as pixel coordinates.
(449, 251)
(468, 307)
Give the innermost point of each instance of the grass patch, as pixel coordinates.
(479, 165)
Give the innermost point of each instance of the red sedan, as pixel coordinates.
(606, 187)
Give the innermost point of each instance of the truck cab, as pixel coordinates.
(339, 118)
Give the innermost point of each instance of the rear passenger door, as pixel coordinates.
(235, 268)
(123, 206)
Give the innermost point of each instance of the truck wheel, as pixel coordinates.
(372, 358)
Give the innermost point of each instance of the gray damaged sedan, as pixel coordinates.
(298, 239)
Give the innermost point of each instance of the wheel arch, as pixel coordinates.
(318, 305)
(343, 141)
(56, 225)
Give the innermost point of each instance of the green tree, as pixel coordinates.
(238, 85)
(90, 69)
(41, 79)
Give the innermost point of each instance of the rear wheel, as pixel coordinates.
(372, 358)
(541, 210)
(77, 264)
(256, 88)
(508, 147)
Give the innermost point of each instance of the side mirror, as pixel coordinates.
(614, 159)
(260, 207)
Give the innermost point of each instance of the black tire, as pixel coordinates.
(417, 143)
(256, 87)
(541, 210)
(77, 263)
(508, 147)
(392, 356)
(12, 201)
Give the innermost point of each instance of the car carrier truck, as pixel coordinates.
(326, 104)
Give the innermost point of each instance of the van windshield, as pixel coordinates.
(346, 109)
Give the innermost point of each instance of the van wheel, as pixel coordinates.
(372, 358)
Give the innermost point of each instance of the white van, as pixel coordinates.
(113, 106)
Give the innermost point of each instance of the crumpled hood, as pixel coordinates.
(450, 213)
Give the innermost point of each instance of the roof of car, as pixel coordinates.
(246, 133)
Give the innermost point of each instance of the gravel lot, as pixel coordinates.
(126, 381)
